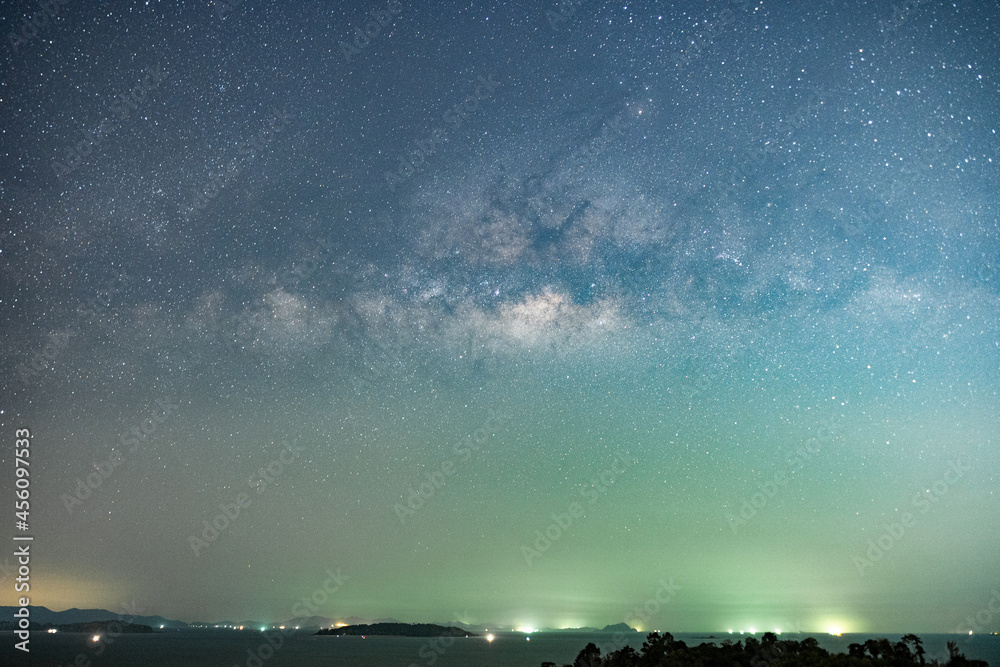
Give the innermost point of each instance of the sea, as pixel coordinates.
(216, 648)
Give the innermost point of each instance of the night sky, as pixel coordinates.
(513, 313)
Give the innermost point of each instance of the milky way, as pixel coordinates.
(510, 313)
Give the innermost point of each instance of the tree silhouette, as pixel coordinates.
(956, 659)
(664, 651)
(918, 650)
(623, 657)
(590, 656)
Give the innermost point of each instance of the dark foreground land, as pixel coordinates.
(399, 630)
(664, 651)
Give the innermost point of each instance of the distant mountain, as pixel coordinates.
(481, 628)
(584, 629)
(310, 622)
(619, 627)
(302, 622)
(44, 615)
(327, 622)
(398, 630)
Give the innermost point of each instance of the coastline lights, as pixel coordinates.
(490, 638)
(839, 624)
(95, 638)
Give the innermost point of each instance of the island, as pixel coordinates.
(398, 630)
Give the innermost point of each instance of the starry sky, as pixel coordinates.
(519, 313)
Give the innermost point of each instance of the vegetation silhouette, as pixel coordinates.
(664, 651)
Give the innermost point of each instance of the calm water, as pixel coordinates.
(186, 649)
